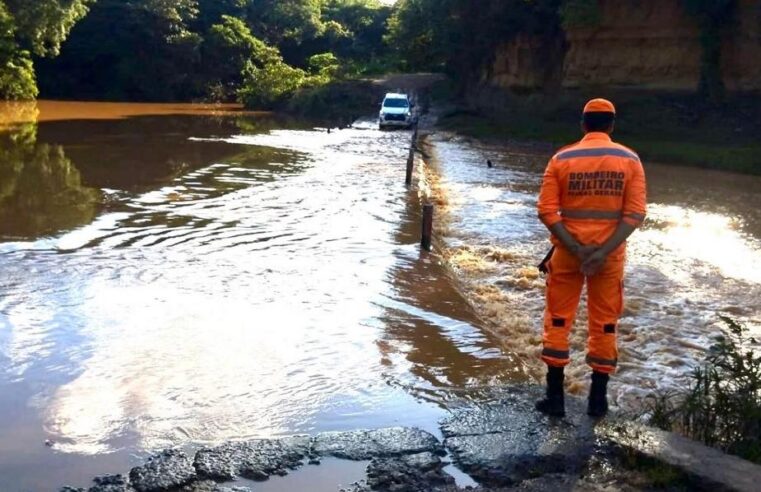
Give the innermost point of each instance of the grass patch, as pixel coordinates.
(656, 475)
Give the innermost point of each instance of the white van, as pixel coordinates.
(396, 110)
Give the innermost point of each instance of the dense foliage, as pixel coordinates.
(159, 50)
(262, 51)
(461, 36)
(28, 28)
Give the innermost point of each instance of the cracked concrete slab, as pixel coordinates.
(257, 459)
(366, 444)
(712, 467)
(169, 469)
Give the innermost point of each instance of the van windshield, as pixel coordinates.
(395, 103)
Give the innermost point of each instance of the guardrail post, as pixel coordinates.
(410, 166)
(425, 241)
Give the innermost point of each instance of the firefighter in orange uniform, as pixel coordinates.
(592, 199)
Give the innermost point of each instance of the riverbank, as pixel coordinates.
(673, 128)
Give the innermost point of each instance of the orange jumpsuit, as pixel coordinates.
(590, 186)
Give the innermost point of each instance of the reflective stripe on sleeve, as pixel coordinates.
(551, 218)
(596, 152)
(602, 362)
(591, 214)
(637, 217)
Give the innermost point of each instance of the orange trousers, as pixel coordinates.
(605, 302)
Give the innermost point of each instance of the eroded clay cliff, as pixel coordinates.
(649, 44)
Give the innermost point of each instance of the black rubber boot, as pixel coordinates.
(598, 395)
(554, 403)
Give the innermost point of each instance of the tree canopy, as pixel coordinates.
(27, 28)
(159, 50)
(164, 50)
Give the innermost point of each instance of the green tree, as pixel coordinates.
(128, 50)
(17, 79)
(462, 36)
(268, 86)
(163, 50)
(278, 20)
(32, 27)
(226, 50)
(42, 25)
(418, 31)
(324, 64)
(210, 12)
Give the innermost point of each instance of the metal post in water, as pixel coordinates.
(410, 166)
(425, 242)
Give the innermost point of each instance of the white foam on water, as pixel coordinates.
(693, 260)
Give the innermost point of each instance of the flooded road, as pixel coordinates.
(183, 275)
(697, 257)
(179, 275)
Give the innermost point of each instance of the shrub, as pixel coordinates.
(325, 64)
(722, 407)
(268, 86)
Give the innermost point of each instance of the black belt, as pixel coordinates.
(543, 265)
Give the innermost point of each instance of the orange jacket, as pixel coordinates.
(591, 186)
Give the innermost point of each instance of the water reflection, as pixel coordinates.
(41, 190)
(435, 331)
(239, 281)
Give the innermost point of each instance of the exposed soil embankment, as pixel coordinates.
(647, 44)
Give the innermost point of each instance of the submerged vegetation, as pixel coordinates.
(722, 406)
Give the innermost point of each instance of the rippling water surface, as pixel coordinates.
(181, 275)
(178, 275)
(698, 257)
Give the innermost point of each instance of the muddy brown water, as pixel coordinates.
(183, 275)
(698, 257)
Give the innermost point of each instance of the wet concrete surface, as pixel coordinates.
(503, 444)
(717, 470)
(256, 460)
(507, 441)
